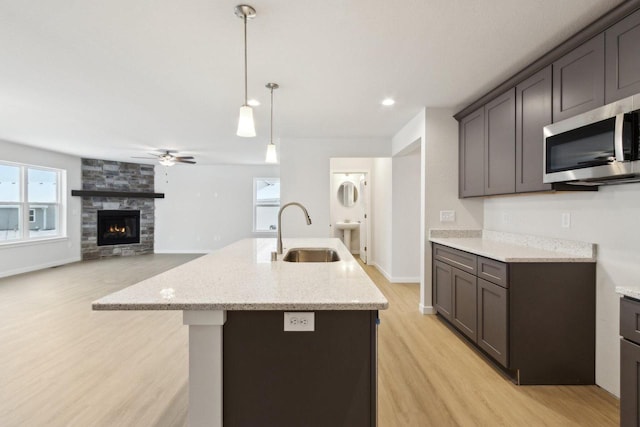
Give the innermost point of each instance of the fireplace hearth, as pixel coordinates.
(118, 227)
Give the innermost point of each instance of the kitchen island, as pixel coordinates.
(236, 302)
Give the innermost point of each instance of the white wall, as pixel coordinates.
(435, 131)
(441, 184)
(15, 259)
(406, 211)
(304, 174)
(205, 207)
(381, 214)
(609, 218)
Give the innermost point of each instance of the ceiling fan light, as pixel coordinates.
(166, 161)
(246, 126)
(272, 155)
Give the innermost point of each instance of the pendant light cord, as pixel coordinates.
(245, 60)
(271, 137)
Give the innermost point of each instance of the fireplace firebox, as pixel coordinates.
(118, 227)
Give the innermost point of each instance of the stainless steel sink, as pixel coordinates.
(311, 255)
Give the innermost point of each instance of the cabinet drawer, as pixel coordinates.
(493, 271)
(630, 319)
(456, 258)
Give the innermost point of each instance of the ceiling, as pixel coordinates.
(119, 78)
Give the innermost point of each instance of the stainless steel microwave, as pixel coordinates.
(598, 147)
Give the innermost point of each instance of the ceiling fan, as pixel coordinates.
(169, 159)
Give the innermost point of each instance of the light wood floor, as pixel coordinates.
(62, 364)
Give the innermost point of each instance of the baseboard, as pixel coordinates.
(426, 309)
(405, 280)
(183, 251)
(39, 267)
(393, 279)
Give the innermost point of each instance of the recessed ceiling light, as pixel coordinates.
(387, 102)
(253, 102)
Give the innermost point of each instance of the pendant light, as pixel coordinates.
(246, 126)
(272, 156)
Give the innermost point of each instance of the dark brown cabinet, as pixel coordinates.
(442, 296)
(487, 149)
(535, 319)
(471, 155)
(623, 59)
(578, 80)
(629, 363)
(533, 112)
(464, 302)
(492, 320)
(499, 144)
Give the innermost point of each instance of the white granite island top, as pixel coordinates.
(512, 247)
(241, 276)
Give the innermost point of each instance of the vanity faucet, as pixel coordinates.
(306, 214)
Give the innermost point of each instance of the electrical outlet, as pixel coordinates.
(299, 321)
(506, 218)
(566, 220)
(447, 216)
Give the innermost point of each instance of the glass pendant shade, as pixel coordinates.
(167, 162)
(246, 127)
(272, 156)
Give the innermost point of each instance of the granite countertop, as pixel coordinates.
(241, 276)
(512, 247)
(628, 292)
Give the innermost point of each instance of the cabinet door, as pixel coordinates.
(578, 80)
(464, 303)
(623, 58)
(533, 112)
(500, 145)
(471, 167)
(629, 384)
(442, 289)
(492, 321)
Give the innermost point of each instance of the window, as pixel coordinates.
(30, 202)
(266, 203)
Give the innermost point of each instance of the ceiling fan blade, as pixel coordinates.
(184, 157)
(186, 161)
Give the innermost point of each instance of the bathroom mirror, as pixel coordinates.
(347, 194)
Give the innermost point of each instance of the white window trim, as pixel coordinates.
(256, 204)
(32, 214)
(23, 204)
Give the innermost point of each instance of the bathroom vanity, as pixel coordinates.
(245, 367)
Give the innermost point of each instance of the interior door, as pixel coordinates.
(364, 220)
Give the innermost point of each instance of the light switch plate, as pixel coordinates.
(447, 216)
(299, 321)
(566, 220)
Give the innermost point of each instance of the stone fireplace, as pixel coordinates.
(119, 221)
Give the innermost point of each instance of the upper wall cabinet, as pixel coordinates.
(533, 112)
(499, 144)
(471, 155)
(578, 80)
(623, 58)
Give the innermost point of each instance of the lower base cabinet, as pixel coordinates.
(536, 320)
(493, 320)
(629, 363)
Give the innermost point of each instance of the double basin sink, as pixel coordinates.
(311, 255)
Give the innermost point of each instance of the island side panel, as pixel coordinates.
(319, 378)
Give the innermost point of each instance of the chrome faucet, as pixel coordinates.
(280, 222)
